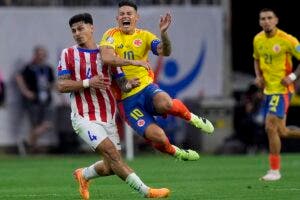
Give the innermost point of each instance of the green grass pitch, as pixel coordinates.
(210, 178)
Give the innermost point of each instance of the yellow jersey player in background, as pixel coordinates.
(126, 42)
(273, 51)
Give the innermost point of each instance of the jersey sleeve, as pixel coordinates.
(63, 68)
(154, 41)
(294, 47)
(255, 52)
(108, 39)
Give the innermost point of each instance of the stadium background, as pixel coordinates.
(232, 177)
(228, 59)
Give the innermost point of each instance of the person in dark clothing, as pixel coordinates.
(35, 82)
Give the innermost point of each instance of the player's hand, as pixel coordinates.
(259, 82)
(29, 95)
(133, 83)
(165, 22)
(100, 82)
(141, 63)
(286, 81)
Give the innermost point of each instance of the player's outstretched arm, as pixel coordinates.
(65, 84)
(164, 48)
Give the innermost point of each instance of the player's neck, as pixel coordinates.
(271, 33)
(89, 45)
(129, 32)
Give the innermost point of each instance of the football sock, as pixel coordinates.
(90, 172)
(137, 184)
(165, 147)
(274, 160)
(180, 110)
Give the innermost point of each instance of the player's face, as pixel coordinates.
(82, 33)
(268, 21)
(127, 19)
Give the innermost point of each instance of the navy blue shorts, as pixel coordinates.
(139, 110)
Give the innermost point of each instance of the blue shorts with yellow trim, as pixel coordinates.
(276, 104)
(139, 110)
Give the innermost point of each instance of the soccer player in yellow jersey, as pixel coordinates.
(273, 51)
(126, 43)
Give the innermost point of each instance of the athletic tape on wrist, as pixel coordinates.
(86, 83)
(292, 76)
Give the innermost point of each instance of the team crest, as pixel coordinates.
(137, 42)
(276, 48)
(140, 122)
(110, 39)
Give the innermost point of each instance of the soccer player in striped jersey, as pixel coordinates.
(147, 100)
(273, 51)
(82, 74)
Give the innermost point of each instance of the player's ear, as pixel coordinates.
(276, 20)
(92, 28)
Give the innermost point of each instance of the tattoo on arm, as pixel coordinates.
(166, 44)
(65, 77)
(122, 84)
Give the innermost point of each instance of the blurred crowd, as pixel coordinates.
(100, 2)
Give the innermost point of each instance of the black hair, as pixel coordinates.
(84, 17)
(128, 3)
(267, 10)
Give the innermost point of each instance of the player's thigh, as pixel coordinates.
(162, 102)
(91, 132)
(112, 132)
(139, 119)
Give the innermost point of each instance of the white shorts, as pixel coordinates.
(93, 132)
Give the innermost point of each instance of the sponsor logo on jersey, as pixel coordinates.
(120, 46)
(110, 39)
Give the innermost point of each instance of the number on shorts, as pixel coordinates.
(136, 113)
(274, 102)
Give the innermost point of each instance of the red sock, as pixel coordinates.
(180, 110)
(165, 147)
(274, 160)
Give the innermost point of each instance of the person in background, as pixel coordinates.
(2, 90)
(35, 82)
(273, 51)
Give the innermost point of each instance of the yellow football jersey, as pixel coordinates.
(133, 47)
(275, 58)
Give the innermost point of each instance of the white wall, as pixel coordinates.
(194, 30)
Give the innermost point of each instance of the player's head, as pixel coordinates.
(82, 28)
(127, 16)
(39, 54)
(268, 20)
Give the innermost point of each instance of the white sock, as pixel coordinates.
(137, 184)
(90, 172)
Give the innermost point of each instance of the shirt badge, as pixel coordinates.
(276, 48)
(141, 122)
(137, 42)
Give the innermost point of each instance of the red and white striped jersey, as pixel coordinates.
(92, 104)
